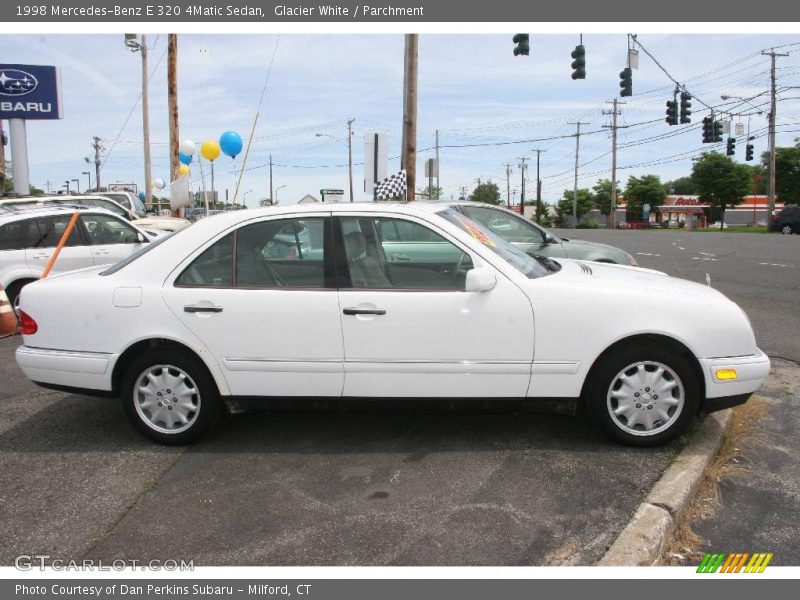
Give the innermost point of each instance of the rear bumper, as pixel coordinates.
(751, 371)
(82, 370)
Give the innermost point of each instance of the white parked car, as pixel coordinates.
(207, 315)
(30, 233)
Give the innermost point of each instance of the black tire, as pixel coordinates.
(605, 381)
(14, 288)
(199, 390)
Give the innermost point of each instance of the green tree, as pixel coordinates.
(602, 195)
(787, 172)
(564, 206)
(486, 192)
(639, 191)
(720, 181)
(682, 186)
(436, 193)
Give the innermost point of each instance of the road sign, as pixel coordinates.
(331, 192)
(29, 92)
(331, 195)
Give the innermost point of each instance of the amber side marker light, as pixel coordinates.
(726, 374)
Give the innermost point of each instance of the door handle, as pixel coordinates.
(42, 255)
(196, 309)
(364, 311)
(101, 251)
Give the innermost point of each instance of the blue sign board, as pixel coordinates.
(29, 92)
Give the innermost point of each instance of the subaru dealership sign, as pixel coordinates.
(29, 92)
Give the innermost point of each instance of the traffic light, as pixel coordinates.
(522, 44)
(626, 82)
(717, 131)
(708, 130)
(686, 105)
(748, 152)
(579, 64)
(672, 112)
(731, 150)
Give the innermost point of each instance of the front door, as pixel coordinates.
(410, 329)
(262, 300)
(112, 238)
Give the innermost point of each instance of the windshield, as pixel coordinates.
(143, 249)
(518, 259)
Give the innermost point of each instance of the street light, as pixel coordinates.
(727, 97)
(277, 189)
(66, 185)
(349, 145)
(89, 176)
(77, 185)
(244, 197)
(136, 44)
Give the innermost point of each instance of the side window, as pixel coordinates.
(213, 268)
(105, 229)
(13, 235)
(47, 231)
(388, 253)
(281, 253)
(505, 226)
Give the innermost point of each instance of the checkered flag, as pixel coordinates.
(392, 186)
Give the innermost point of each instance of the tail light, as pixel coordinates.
(29, 326)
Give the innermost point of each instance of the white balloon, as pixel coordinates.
(159, 184)
(186, 147)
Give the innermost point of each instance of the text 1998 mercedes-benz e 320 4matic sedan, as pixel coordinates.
(383, 301)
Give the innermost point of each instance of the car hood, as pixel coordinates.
(631, 279)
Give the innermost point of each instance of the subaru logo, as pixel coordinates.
(14, 82)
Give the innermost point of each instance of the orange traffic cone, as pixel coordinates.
(8, 318)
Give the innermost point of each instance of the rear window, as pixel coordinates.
(13, 235)
(143, 249)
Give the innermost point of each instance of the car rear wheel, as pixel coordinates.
(786, 229)
(170, 397)
(644, 396)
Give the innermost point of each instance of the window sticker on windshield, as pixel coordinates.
(475, 231)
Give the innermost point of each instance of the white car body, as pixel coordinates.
(512, 337)
(26, 264)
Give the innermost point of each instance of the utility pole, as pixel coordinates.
(271, 197)
(98, 147)
(508, 185)
(410, 122)
(2, 160)
(464, 192)
(172, 101)
(140, 45)
(612, 217)
(538, 186)
(772, 108)
(350, 154)
(438, 185)
(575, 186)
(522, 168)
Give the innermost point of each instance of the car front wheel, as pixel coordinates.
(786, 229)
(170, 397)
(644, 396)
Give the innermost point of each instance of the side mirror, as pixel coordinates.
(480, 279)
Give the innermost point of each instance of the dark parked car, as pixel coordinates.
(788, 220)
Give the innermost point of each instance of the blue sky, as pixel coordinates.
(481, 98)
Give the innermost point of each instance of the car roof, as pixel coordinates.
(11, 212)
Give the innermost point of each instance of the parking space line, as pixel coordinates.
(776, 265)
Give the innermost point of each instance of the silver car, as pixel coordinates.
(535, 239)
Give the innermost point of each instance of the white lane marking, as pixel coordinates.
(776, 265)
(682, 248)
(705, 258)
(646, 254)
(707, 253)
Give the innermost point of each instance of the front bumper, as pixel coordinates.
(83, 370)
(751, 371)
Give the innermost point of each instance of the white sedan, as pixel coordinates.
(383, 301)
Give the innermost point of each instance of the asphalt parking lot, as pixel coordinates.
(76, 481)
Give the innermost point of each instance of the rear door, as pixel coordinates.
(44, 234)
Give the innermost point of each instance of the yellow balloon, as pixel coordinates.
(210, 150)
(183, 169)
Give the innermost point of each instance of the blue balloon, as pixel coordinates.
(142, 195)
(184, 158)
(230, 143)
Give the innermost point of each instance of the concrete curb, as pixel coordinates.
(647, 535)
